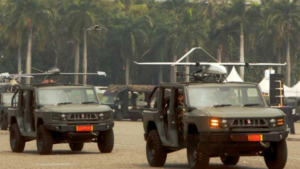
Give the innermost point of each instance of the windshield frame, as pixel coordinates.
(262, 102)
(70, 88)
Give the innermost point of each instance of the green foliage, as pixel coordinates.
(147, 30)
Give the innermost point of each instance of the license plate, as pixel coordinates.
(84, 128)
(257, 137)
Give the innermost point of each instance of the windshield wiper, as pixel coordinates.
(63, 103)
(250, 104)
(221, 105)
(88, 102)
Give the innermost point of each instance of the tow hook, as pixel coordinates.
(265, 144)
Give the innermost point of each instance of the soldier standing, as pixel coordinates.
(181, 111)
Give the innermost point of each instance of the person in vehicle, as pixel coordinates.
(232, 99)
(180, 110)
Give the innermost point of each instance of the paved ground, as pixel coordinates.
(129, 152)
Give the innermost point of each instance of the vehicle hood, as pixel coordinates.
(234, 112)
(76, 108)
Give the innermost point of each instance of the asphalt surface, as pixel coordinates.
(129, 152)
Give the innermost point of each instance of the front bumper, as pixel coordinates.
(72, 128)
(244, 137)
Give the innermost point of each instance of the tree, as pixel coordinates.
(130, 26)
(239, 16)
(33, 15)
(286, 16)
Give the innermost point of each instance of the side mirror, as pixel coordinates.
(190, 108)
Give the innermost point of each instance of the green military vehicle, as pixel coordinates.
(6, 93)
(127, 101)
(215, 119)
(225, 120)
(54, 113)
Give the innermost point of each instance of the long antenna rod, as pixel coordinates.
(195, 48)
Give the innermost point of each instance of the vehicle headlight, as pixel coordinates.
(59, 117)
(224, 123)
(273, 122)
(119, 106)
(294, 111)
(276, 122)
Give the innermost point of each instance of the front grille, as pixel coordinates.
(83, 117)
(249, 123)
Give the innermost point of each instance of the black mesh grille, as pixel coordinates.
(83, 117)
(249, 123)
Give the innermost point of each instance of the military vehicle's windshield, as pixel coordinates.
(66, 96)
(7, 98)
(229, 96)
(108, 99)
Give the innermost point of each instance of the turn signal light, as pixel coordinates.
(214, 123)
(280, 122)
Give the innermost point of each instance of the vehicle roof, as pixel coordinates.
(233, 84)
(134, 88)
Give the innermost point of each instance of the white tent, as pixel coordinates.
(288, 92)
(264, 85)
(234, 76)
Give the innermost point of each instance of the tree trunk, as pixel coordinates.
(84, 57)
(279, 61)
(187, 68)
(288, 63)
(160, 74)
(19, 60)
(173, 70)
(127, 71)
(28, 58)
(220, 53)
(242, 59)
(76, 61)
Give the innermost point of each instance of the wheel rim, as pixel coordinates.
(150, 149)
(192, 155)
(39, 142)
(12, 139)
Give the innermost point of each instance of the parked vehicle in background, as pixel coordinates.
(100, 91)
(6, 93)
(127, 101)
(294, 102)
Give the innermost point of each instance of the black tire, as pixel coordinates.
(44, 141)
(4, 122)
(198, 156)
(156, 153)
(230, 160)
(76, 146)
(119, 116)
(17, 141)
(105, 141)
(276, 156)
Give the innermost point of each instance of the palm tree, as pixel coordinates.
(33, 15)
(79, 15)
(286, 15)
(130, 28)
(239, 18)
(189, 33)
(175, 8)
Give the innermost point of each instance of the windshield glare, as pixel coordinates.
(234, 96)
(7, 98)
(108, 99)
(74, 96)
